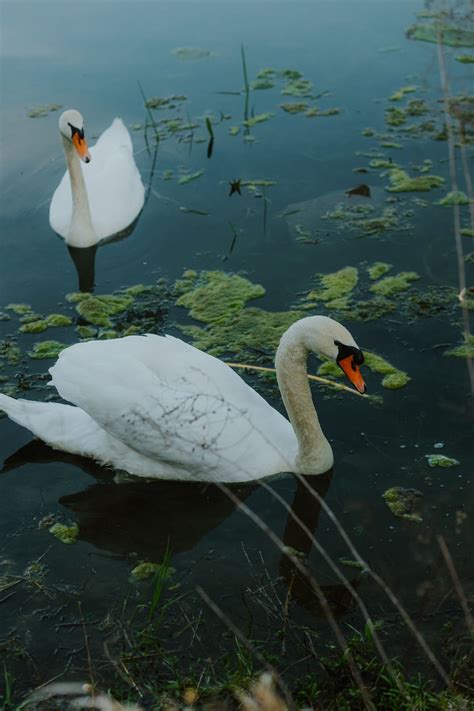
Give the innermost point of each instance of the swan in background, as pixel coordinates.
(95, 202)
(157, 407)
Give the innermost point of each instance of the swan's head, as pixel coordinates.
(329, 338)
(71, 126)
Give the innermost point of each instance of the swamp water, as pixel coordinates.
(325, 97)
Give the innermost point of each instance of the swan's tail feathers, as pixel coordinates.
(61, 426)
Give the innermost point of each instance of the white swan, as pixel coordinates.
(157, 407)
(98, 201)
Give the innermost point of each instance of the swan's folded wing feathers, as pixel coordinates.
(169, 401)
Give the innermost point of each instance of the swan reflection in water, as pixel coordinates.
(145, 517)
(83, 258)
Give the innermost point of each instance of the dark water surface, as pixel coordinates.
(89, 56)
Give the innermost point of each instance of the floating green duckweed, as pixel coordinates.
(234, 130)
(40, 325)
(391, 144)
(382, 164)
(401, 182)
(440, 460)
(455, 197)
(297, 108)
(259, 118)
(249, 334)
(393, 381)
(65, 534)
(298, 86)
(39, 111)
(369, 310)
(378, 269)
(98, 309)
(185, 179)
(46, 349)
(395, 116)
(467, 232)
(334, 285)
(20, 309)
(216, 296)
(466, 350)
(315, 111)
(404, 503)
(10, 351)
(445, 33)
(191, 53)
(86, 331)
(465, 58)
(389, 286)
(400, 94)
(394, 378)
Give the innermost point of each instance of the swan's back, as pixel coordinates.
(114, 187)
(172, 403)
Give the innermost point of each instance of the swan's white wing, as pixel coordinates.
(114, 186)
(174, 404)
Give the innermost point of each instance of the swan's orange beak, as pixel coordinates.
(81, 147)
(352, 371)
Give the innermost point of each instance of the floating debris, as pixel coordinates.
(440, 460)
(65, 534)
(404, 503)
(144, 571)
(362, 190)
(235, 187)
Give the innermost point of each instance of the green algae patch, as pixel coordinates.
(39, 111)
(394, 378)
(34, 326)
(443, 32)
(334, 285)
(400, 94)
(259, 118)
(404, 503)
(185, 179)
(65, 534)
(393, 381)
(465, 58)
(40, 325)
(378, 269)
(191, 53)
(249, 334)
(401, 182)
(20, 309)
(440, 460)
(86, 332)
(46, 349)
(382, 164)
(98, 309)
(455, 197)
(10, 352)
(216, 296)
(390, 286)
(297, 108)
(467, 232)
(466, 350)
(395, 116)
(144, 571)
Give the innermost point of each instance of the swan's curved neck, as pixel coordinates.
(81, 233)
(314, 451)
